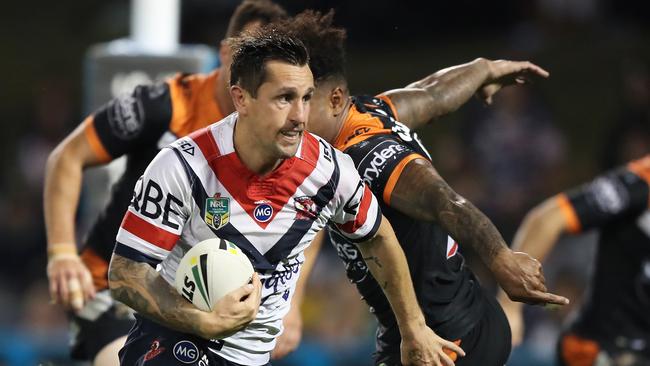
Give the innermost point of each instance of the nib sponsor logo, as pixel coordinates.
(379, 161)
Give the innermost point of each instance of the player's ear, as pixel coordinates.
(239, 99)
(337, 100)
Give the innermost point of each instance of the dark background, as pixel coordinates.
(592, 113)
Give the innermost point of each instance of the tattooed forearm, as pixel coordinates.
(422, 194)
(374, 260)
(140, 287)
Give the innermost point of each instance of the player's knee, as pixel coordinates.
(107, 356)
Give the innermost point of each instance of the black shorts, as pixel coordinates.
(151, 344)
(487, 344)
(101, 321)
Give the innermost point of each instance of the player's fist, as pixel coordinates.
(71, 284)
(424, 347)
(289, 340)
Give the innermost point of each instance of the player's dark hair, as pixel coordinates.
(324, 41)
(254, 49)
(262, 11)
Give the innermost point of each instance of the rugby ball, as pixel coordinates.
(210, 270)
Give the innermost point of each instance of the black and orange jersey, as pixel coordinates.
(448, 293)
(617, 310)
(138, 125)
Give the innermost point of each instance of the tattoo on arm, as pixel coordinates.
(140, 287)
(374, 259)
(422, 194)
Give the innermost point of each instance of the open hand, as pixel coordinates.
(424, 347)
(503, 73)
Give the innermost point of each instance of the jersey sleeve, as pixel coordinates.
(357, 215)
(130, 121)
(158, 211)
(380, 161)
(620, 193)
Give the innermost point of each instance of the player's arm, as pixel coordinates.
(421, 193)
(159, 210)
(446, 90)
(387, 263)
(358, 218)
(109, 133)
(607, 198)
(289, 340)
(139, 286)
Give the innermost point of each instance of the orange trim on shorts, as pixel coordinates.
(93, 140)
(578, 351)
(453, 355)
(97, 266)
(572, 221)
(394, 176)
(641, 168)
(386, 99)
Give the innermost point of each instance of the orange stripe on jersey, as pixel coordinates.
(93, 140)
(98, 267)
(146, 231)
(578, 351)
(386, 99)
(194, 103)
(358, 127)
(573, 223)
(352, 226)
(396, 173)
(641, 168)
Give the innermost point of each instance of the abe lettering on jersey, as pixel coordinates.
(149, 202)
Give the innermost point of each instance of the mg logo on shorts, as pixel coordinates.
(263, 211)
(186, 352)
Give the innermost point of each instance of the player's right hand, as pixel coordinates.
(424, 347)
(71, 284)
(234, 311)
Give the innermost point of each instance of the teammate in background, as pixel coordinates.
(613, 326)
(135, 125)
(276, 187)
(429, 218)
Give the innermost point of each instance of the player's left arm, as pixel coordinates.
(421, 193)
(446, 90)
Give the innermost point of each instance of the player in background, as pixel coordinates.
(429, 218)
(276, 187)
(613, 324)
(136, 125)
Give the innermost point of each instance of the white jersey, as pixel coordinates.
(198, 189)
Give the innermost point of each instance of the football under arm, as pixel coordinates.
(438, 94)
(421, 193)
(387, 263)
(140, 287)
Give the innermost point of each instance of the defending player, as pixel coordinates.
(613, 326)
(429, 218)
(278, 186)
(135, 125)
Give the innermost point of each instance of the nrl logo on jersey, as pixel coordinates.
(217, 211)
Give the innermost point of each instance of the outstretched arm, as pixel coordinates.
(421, 193)
(140, 287)
(387, 263)
(446, 90)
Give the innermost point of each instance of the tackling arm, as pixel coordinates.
(421, 193)
(446, 90)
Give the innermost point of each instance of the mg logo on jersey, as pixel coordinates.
(217, 211)
(186, 352)
(263, 211)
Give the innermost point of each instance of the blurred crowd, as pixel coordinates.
(533, 142)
